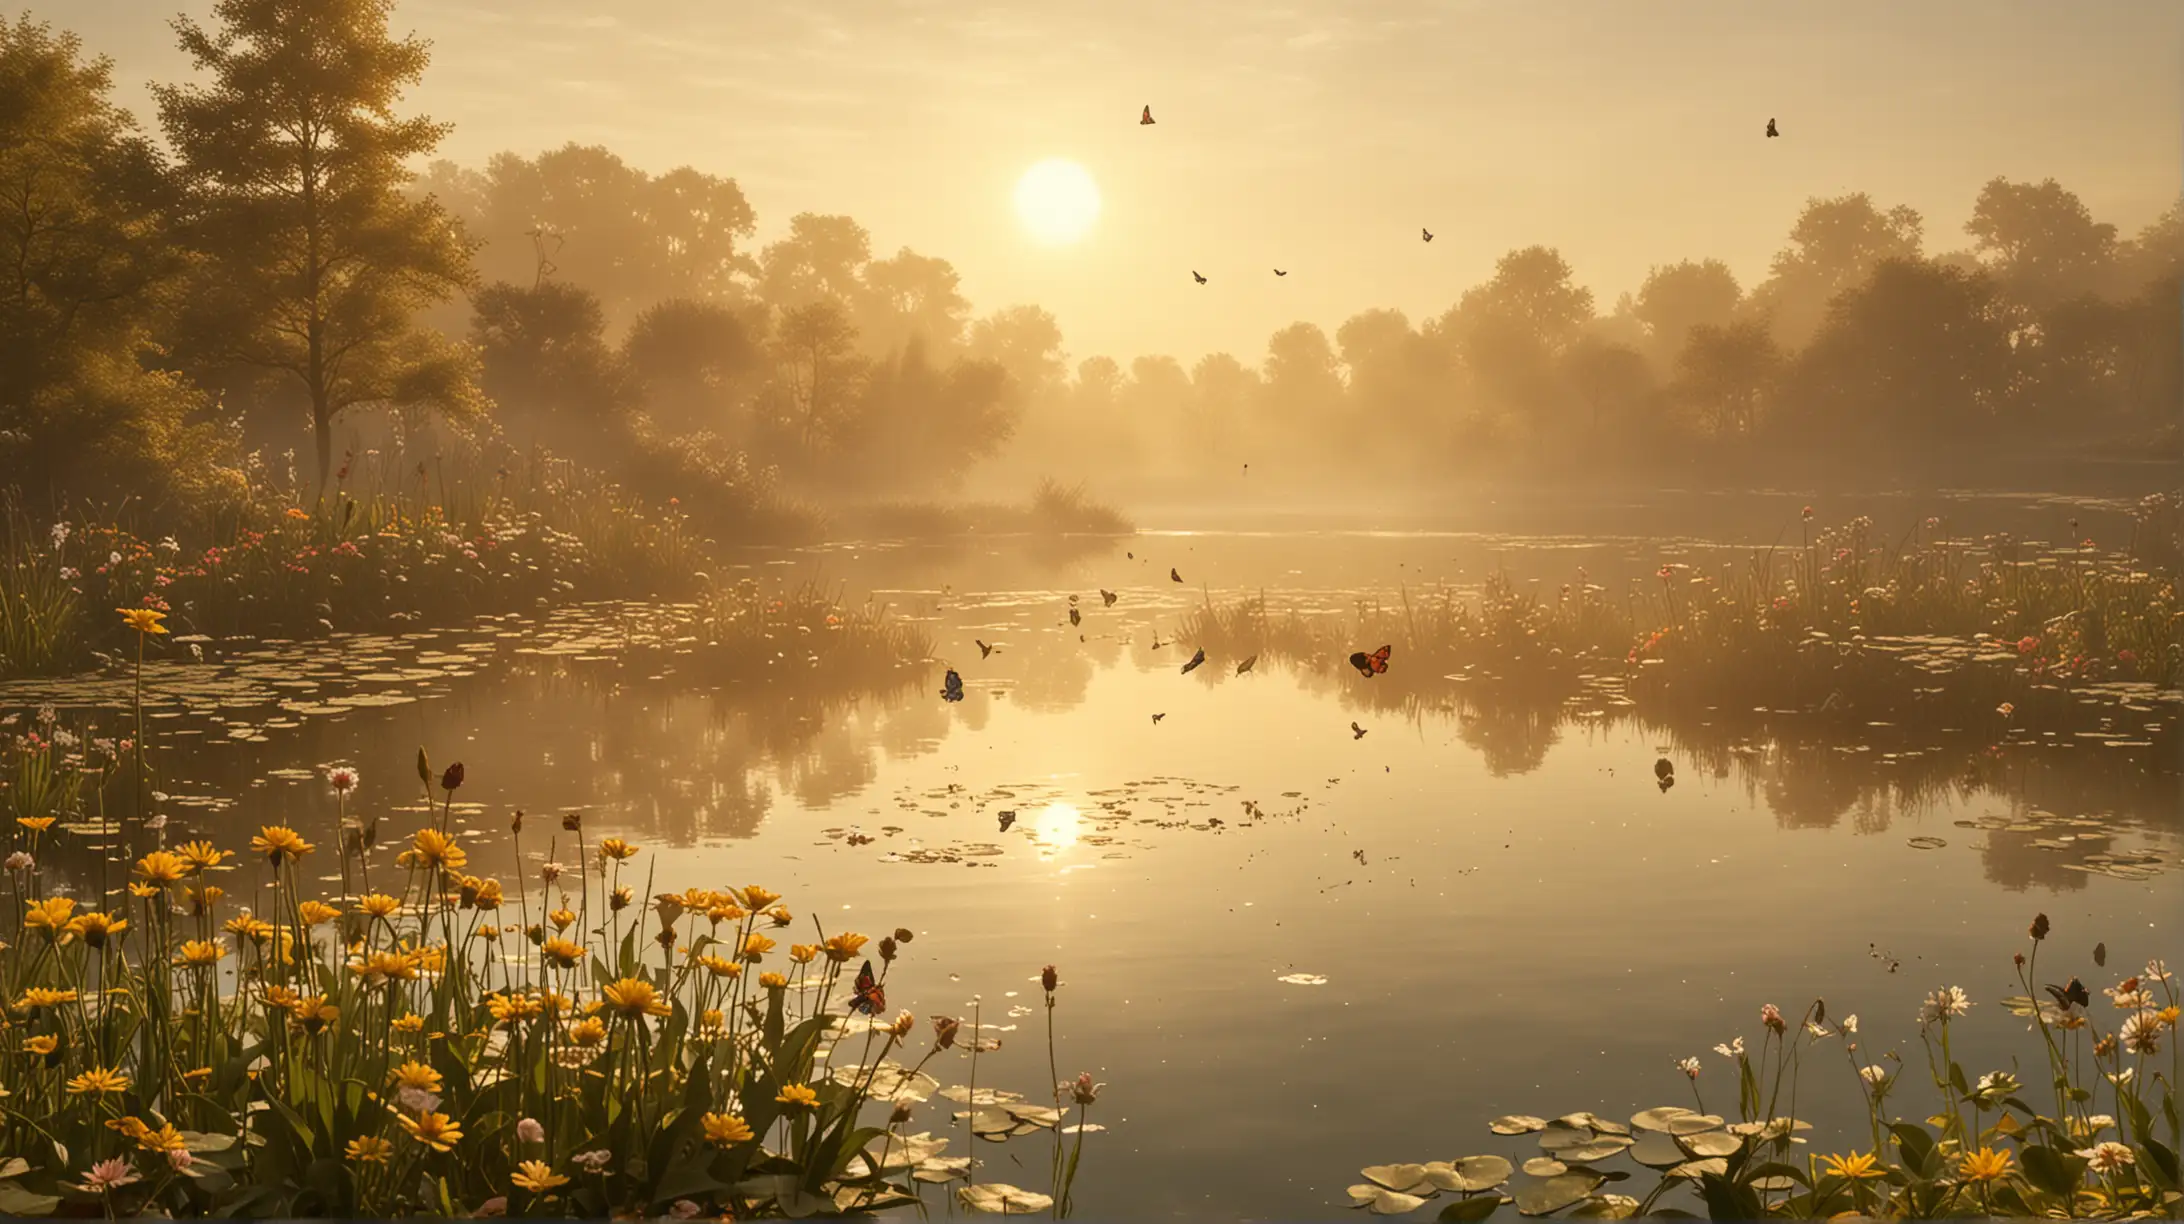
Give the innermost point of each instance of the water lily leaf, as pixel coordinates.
(1605, 1207)
(1545, 1166)
(1656, 1119)
(961, 1095)
(1000, 1198)
(1469, 1174)
(16, 1201)
(1600, 1147)
(1395, 1176)
(14, 1166)
(1694, 1169)
(1692, 1124)
(1556, 1193)
(866, 1198)
(1471, 1210)
(1592, 1121)
(1388, 1202)
(1711, 1143)
(1083, 1128)
(1657, 1151)
(1773, 1183)
(941, 1168)
(1927, 843)
(1516, 1124)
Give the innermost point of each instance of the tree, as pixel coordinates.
(1723, 373)
(295, 161)
(1676, 298)
(86, 267)
(1835, 245)
(823, 257)
(1027, 343)
(694, 365)
(1531, 291)
(1303, 379)
(820, 375)
(919, 424)
(545, 362)
(913, 297)
(2156, 254)
(2041, 241)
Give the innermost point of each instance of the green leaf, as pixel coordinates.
(16, 1201)
(1918, 1148)
(2161, 1163)
(1477, 1207)
(1727, 1200)
(1775, 1168)
(1957, 1080)
(2051, 1170)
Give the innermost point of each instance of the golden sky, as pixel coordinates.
(1314, 135)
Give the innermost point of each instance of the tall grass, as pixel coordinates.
(39, 598)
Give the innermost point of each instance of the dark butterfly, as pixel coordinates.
(1356, 732)
(1196, 659)
(1245, 666)
(2073, 995)
(1173, 576)
(1667, 780)
(1663, 768)
(983, 649)
(1007, 819)
(1075, 617)
(1428, 233)
(2100, 954)
(870, 996)
(1771, 128)
(1157, 718)
(1147, 117)
(1370, 665)
(951, 689)
(1196, 277)
(1279, 272)
(1108, 596)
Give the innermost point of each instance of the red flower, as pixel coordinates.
(2026, 645)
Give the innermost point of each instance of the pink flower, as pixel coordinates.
(1771, 1016)
(530, 1131)
(107, 1175)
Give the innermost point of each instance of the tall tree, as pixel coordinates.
(913, 297)
(547, 365)
(822, 257)
(2041, 241)
(695, 365)
(1681, 296)
(296, 163)
(1027, 343)
(1834, 246)
(1723, 373)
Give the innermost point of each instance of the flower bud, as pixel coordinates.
(452, 777)
(1048, 979)
(2039, 926)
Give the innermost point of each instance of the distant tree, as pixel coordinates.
(819, 376)
(920, 424)
(2156, 254)
(1834, 246)
(1532, 291)
(913, 297)
(1303, 379)
(545, 362)
(696, 365)
(86, 266)
(2041, 241)
(1613, 383)
(1027, 343)
(822, 258)
(316, 260)
(1219, 421)
(1723, 374)
(1680, 296)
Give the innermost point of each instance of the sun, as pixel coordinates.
(1057, 201)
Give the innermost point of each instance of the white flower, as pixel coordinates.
(2108, 1157)
(1817, 1030)
(2142, 1033)
(1733, 1049)
(2130, 1000)
(1690, 1067)
(342, 778)
(1850, 1024)
(113, 558)
(2155, 972)
(593, 1161)
(684, 1209)
(2123, 1077)
(20, 860)
(60, 534)
(417, 1100)
(180, 1159)
(1944, 1003)
(2093, 1125)
(1875, 1075)
(69, 573)
(530, 1131)
(169, 544)
(107, 1174)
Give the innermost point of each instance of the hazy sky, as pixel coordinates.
(1316, 135)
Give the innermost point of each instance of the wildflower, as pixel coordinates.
(36, 997)
(772, 981)
(756, 946)
(843, 947)
(2040, 927)
(313, 1013)
(95, 929)
(52, 916)
(1690, 1067)
(1771, 1016)
(537, 1176)
(297, 512)
(2167, 1016)
(1049, 979)
(434, 849)
(572, 822)
(683, 1209)
(451, 778)
(561, 952)
(201, 856)
(726, 1130)
(756, 897)
(2006, 709)
(904, 1022)
(561, 918)
(944, 1030)
(414, 1074)
(341, 779)
(160, 867)
(712, 1021)
(277, 842)
(41, 1045)
(1874, 1075)
(1944, 1003)
(203, 900)
(1856, 1166)
(1985, 1165)
(803, 954)
(549, 872)
(370, 1149)
(2142, 1033)
(506, 1009)
(200, 953)
(530, 1131)
(107, 1175)
(1850, 1024)
(887, 948)
(165, 1139)
(780, 915)
(143, 620)
(592, 1161)
(1082, 1090)
(434, 1130)
(797, 1095)
(36, 824)
(588, 1032)
(411, 1024)
(98, 1080)
(2155, 971)
(2109, 1157)
(620, 898)
(721, 968)
(617, 849)
(20, 861)
(635, 997)
(316, 913)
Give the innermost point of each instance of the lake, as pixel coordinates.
(1290, 950)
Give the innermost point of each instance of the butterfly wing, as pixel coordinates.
(869, 996)
(1380, 658)
(1360, 661)
(1147, 117)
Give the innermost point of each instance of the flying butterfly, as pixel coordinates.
(1370, 665)
(1245, 666)
(1196, 277)
(1108, 596)
(1196, 659)
(1663, 768)
(1147, 117)
(1428, 233)
(984, 651)
(1075, 617)
(951, 689)
(1356, 732)
(1157, 718)
(1173, 576)
(2073, 995)
(1771, 128)
(1279, 272)
(870, 997)
(2100, 954)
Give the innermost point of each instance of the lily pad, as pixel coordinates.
(1395, 1176)
(1000, 1198)
(1516, 1124)
(1693, 1169)
(1469, 1174)
(1656, 1119)
(1711, 1143)
(1556, 1193)
(1545, 1166)
(1605, 1207)
(1657, 1151)
(1692, 1124)
(1383, 1201)
(1927, 843)
(1599, 1148)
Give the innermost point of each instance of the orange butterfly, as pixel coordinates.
(1370, 665)
(870, 997)
(1147, 117)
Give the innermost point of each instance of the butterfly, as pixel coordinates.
(1075, 617)
(1771, 128)
(870, 996)
(1428, 233)
(984, 651)
(1664, 768)
(1279, 272)
(1356, 732)
(1173, 576)
(1370, 665)
(951, 689)
(1007, 819)
(1195, 276)
(1157, 718)
(2073, 995)
(1147, 117)
(1196, 659)
(1108, 596)
(1245, 666)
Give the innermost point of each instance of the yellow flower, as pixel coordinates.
(617, 849)
(280, 998)
(794, 1095)
(434, 1130)
(712, 1021)
(432, 848)
(561, 918)
(411, 1024)
(98, 1079)
(382, 967)
(588, 1032)
(378, 905)
(39, 996)
(142, 891)
(2167, 1016)
(756, 945)
(143, 620)
(619, 899)
(726, 1130)
(313, 1013)
(317, 913)
(42, 1045)
(562, 952)
(95, 928)
(537, 1176)
(772, 981)
(204, 900)
(844, 946)
(723, 911)
(249, 925)
(755, 897)
(635, 997)
(721, 968)
(414, 1074)
(130, 1127)
(201, 855)
(780, 915)
(506, 1009)
(278, 842)
(52, 916)
(160, 867)
(1985, 1165)
(297, 512)
(36, 824)
(201, 952)
(370, 1149)
(1856, 1166)
(165, 1139)
(803, 954)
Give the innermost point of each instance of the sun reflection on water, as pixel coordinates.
(1057, 826)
